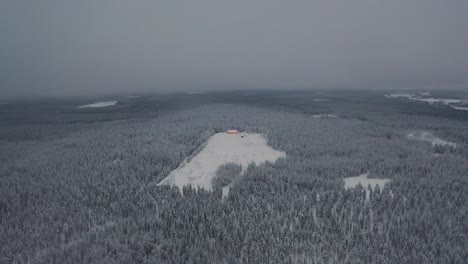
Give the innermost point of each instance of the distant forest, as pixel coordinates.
(80, 185)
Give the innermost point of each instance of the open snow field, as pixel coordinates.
(222, 148)
(99, 104)
(459, 108)
(439, 101)
(429, 137)
(325, 116)
(351, 182)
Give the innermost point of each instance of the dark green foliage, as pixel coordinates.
(225, 174)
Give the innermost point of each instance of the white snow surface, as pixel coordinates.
(429, 137)
(325, 116)
(222, 148)
(99, 104)
(399, 95)
(351, 182)
(439, 101)
(459, 108)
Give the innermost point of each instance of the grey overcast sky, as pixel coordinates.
(61, 47)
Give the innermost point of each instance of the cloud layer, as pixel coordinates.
(81, 47)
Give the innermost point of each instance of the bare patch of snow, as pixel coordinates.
(399, 95)
(459, 108)
(325, 116)
(432, 101)
(429, 137)
(438, 100)
(425, 94)
(351, 182)
(222, 148)
(99, 104)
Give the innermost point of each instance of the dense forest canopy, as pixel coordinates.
(79, 185)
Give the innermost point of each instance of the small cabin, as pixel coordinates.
(232, 132)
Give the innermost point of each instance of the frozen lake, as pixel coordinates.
(222, 148)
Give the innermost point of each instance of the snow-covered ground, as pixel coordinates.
(99, 104)
(399, 95)
(459, 108)
(429, 137)
(324, 116)
(439, 101)
(351, 182)
(222, 148)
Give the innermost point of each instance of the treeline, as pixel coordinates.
(91, 197)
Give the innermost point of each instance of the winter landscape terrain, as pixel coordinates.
(335, 176)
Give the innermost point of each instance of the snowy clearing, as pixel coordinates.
(429, 137)
(459, 108)
(432, 101)
(325, 116)
(399, 95)
(222, 148)
(351, 182)
(438, 100)
(99, 104)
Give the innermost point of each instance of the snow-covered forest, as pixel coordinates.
(80, 185)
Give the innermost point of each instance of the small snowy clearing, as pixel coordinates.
(222, 148)
(459, 108)
(325, 116)
(429, 137)
(99, 104)
(351, 182)
(432, 101)
(399, 95)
